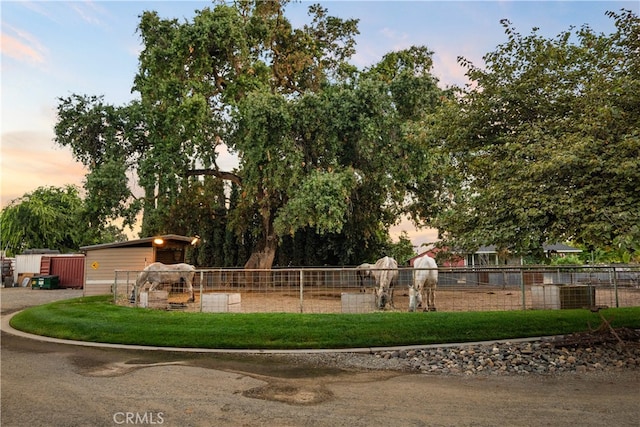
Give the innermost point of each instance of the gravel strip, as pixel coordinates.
(508, 358)
(546, 357)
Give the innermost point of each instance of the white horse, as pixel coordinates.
(425, 273)
(363, 272)
(385, 274)
(158, 273)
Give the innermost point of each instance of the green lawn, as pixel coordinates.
(98, 319)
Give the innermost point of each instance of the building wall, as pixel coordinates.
(68, 268)
(101, 264)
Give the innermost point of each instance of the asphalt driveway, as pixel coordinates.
(51, 384)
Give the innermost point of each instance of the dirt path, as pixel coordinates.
(64, 385)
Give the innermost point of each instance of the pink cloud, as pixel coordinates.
(25, 166)
(89, 12)
(421, 237)
(22, 46)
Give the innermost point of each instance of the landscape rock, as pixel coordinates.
(559, 355)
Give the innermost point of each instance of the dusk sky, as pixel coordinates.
(53, 49)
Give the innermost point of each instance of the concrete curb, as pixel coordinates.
(5, 326)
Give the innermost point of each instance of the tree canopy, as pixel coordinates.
(542, 146)
(546, 141)
(325, 150)
(50, 217)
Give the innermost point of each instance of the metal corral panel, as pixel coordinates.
(28, 263)
(69, 268)
(405, 277)
(101, 264)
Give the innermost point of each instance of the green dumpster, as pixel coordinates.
(45, 282)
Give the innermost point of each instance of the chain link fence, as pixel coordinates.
(342, 290)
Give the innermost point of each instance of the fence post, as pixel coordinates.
(615, 286)
(522, 288)
(201, 280)
(135, 293)
(301, 290)
(127, 288)
(115, 289)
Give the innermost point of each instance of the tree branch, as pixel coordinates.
(218, 174)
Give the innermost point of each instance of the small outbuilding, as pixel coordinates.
(486, 256)
(102, 261)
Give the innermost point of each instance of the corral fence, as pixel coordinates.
(342, 290)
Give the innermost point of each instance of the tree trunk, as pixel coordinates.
(262, 258)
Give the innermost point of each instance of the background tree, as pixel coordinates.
(546, 141)
(402, 250)
(53, 218)
(329, 156)
(99, 137)
(200, 210)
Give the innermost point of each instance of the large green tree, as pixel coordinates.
(345, 161)
(327, 153)
(200, 74)
(545, 141)
(103, 138)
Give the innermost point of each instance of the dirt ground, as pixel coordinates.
(53, 384)
(483, 298)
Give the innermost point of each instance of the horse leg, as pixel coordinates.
(382, 298)
(428, 303)
(431, 294)
(153, 286)
(414, 298)
(421, 299)
(193, 297)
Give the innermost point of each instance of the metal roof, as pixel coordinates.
(147, 241)
(560, 247)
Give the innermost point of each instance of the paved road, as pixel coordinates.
(49, 384)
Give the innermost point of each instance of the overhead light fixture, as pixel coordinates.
(158, 241)
(195, 240)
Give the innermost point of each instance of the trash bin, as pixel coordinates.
(45, 282)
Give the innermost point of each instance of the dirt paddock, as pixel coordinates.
(330, 300)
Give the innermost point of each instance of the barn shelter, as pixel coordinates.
(101, 261)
